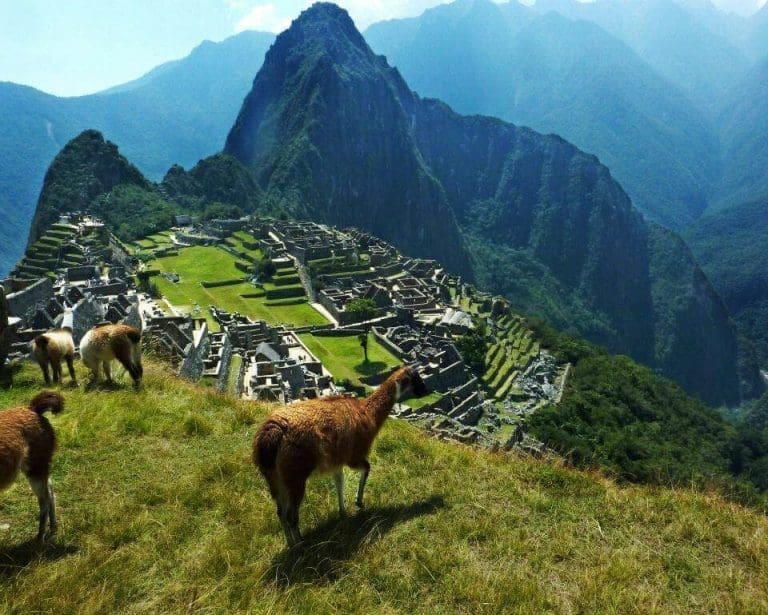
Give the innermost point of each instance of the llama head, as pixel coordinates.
(410, 384)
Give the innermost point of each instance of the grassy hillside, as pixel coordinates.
(161, 511)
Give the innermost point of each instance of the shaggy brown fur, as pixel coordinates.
(27, 443)
(50, 348)
(324, 435)
(105, 343)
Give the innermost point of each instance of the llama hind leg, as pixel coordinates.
(95, 366)
(278, 496)
(42, 490)
(71, 367)
(108, 371)
(365, 470)
(338, 479)
(52, 521)
(290, 518)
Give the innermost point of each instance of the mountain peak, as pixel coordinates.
(87, 167)
(322, 29)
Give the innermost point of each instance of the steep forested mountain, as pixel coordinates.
(332, 132)
(732, 246)
(567, 77)
(744, 133)
(177, 113)
(89, 174)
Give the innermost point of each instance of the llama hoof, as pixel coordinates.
(359, 505)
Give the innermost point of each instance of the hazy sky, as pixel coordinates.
(72, 47)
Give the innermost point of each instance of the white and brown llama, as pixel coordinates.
(324, 435)
(27, 443)
(49, 349)
(106, 343)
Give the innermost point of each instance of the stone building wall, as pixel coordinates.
(86, 314)
(23, 301)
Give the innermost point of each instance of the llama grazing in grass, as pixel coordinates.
(50, 348)
(324, 435)
(105, 343)
(27, 443)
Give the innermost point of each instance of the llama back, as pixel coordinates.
(57, 342)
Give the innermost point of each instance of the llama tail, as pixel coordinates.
(267, 444)
(47, 400)
(41, 341)
(134, 335)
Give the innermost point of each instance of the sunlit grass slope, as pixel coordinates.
(161, 511)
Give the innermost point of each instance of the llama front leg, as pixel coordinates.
(338, 479)
(56, 368)
(108, 371)
(46, 373)
(365, 469)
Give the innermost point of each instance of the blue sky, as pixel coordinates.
(72, 47)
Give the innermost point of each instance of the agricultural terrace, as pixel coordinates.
(242, 242)
(145, 247)
(199, 264)
(343, 356)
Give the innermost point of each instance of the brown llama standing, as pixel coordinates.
(324, 435)
(50, 348)
(105, 343)
(27, 443)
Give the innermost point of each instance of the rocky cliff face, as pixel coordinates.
(325, 133)
(692, 321)
(333, 133)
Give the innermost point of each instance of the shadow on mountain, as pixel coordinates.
(321, 555)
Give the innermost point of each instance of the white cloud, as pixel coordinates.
(263, 17)
(366, 12)
(276, 16)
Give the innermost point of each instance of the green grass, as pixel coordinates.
(343, 357)
(205, 263)
(161, 511)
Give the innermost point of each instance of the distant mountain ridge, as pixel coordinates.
(566, 77)
(332, 132)
(179, 113)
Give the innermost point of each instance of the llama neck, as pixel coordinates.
(382, 400)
